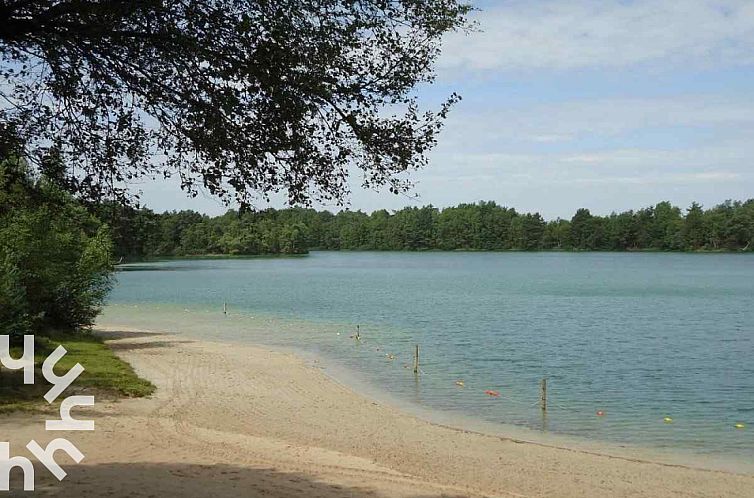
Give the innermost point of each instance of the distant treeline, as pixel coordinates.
(484, 226)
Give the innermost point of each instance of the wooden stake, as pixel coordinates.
(416, 360)
(543, 394)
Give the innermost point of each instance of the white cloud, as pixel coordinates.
(727, 153)
(551, 138)
(714, 163)
(522, 35)
(660, 179)
(574, 120)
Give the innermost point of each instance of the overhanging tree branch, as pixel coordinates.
(228, 94)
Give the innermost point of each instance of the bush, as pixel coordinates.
(55, 257)
(14, 312)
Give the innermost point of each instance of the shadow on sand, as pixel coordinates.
(114, 335)
(192, 480)
(115, 340)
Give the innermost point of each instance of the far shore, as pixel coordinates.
(242, 420)
(154, 259)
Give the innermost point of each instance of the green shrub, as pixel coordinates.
(55, 257)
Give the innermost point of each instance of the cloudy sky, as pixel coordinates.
(604, 104)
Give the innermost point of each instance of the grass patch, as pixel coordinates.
(104, 373)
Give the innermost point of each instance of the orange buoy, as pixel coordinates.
(600, 413)
(492, 393)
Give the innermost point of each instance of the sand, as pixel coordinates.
(238, 420)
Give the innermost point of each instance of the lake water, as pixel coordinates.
(639, 337)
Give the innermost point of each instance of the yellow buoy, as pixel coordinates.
(460, 383)
(668, 420)
(739, 426)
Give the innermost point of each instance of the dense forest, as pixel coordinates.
(484, 226)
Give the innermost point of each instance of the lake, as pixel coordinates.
(636, 336)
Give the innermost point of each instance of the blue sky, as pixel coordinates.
(609, 105)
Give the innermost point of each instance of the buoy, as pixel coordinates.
(460, 383)
(492, 393)
(390, 356)
(740, 426)
(600, 413)
(668, 420)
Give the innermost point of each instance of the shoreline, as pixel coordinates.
(360, 384)
(132, 260)
(458, 421)
(227, 418)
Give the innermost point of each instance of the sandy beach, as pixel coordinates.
(238, 420)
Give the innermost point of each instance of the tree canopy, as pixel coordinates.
(484, 226)
(242, 98)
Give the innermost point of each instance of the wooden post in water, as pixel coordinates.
(416, 360)
(543, 394)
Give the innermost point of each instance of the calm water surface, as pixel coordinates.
(638, 336)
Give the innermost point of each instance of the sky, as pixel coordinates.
(603, 104)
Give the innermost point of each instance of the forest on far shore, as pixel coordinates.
(484, 226)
